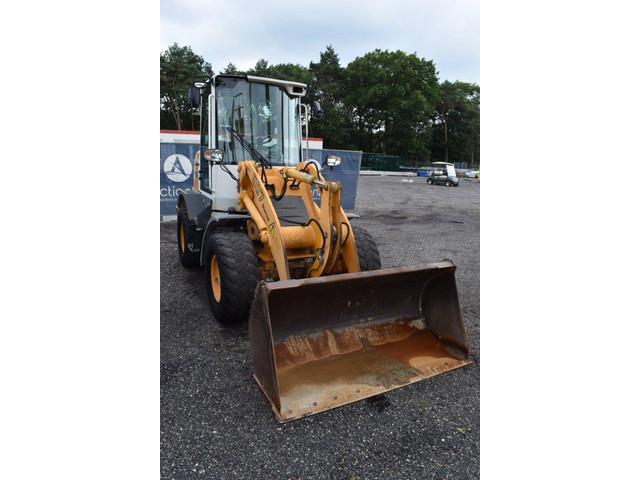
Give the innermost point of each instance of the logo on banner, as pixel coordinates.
(177, 168)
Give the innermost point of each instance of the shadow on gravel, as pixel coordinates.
(397, 218)
(231, 332)
(195, 285)
(389, 218)
(379, 402)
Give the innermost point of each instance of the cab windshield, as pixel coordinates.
(263, 115)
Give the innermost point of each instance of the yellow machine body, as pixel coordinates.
(323, 333)
(324, 244)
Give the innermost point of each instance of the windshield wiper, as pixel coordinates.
(264, 163)
(250, 148)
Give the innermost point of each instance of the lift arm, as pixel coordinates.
(328, 227)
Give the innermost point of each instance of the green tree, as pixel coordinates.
(261, 69)
(326, 86)
(180, 67)
(386, 102)
(457, 122)
(231, 69)
(391, 98)
(282, 71)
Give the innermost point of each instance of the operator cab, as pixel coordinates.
(265, 113)
(242, 117)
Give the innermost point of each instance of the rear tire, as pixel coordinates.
(188, 259)
(232, 272)
(368, 254)
(429, 181)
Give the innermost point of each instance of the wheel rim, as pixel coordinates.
(183, 238)
(214, 272)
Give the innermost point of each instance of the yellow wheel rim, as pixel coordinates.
(183, 240)
(215, 279)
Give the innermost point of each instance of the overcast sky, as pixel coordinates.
(284, 31)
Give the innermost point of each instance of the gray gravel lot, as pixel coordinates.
(215, 422)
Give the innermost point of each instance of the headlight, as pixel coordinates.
(214, 156)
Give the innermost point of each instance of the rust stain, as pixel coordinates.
(297, 349)
(372, 338)
(312, 386)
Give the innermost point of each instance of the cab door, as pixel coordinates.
(204, 171)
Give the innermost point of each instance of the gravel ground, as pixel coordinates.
(215, 422)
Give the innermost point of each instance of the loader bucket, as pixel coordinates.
(320, 343)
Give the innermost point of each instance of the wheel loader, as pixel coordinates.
(327, 326)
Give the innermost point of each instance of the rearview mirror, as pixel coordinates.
(193, 97)
(333, 161)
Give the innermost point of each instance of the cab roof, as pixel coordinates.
(295, 89)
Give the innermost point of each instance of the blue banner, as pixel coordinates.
(176, 173)
(346, 173)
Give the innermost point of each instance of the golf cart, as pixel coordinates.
(442, 173)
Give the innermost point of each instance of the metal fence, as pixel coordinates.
(378, 161)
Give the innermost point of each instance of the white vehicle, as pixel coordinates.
(442, 173)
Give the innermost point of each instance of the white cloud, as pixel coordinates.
(241, 32)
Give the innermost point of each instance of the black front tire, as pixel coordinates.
(188, 259)
(238, 274)
(429, 181)
(368, 254)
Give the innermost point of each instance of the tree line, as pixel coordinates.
(384, 102)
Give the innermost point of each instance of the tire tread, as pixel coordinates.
(368, 254)
(239, 275)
